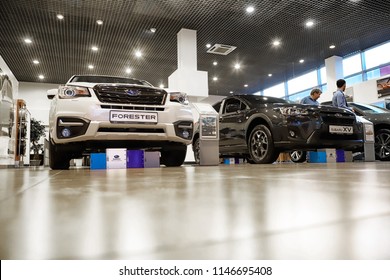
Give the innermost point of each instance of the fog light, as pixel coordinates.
(186, 134)
(65, 132)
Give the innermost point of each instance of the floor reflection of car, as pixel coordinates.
(6, 105)
(258, 128)
(380, 117)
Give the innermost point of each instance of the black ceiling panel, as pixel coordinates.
(63, 47)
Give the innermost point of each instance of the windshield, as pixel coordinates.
(108, 80)
(371, 109)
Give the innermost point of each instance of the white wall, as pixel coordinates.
(7, 71)
(365, 92)
(35, 95)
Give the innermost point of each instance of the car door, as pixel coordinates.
(232, 123)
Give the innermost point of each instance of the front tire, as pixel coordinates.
(382, 144)
(261, 145)
(174, 156)
(298, 156)
(58, 158)
(196, 149)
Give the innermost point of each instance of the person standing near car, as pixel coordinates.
(312, 98)
(339, 99)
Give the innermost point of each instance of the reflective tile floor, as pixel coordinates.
(278, 211)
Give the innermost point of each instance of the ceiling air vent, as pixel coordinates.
(221, 49)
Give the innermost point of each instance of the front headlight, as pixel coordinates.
(293, 111)
(180, 97)
(69, 92)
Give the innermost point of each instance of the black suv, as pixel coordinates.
(380, 117)
(258, 128)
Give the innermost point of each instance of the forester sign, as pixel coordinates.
(131, 116)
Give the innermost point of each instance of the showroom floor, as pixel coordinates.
(278, 211)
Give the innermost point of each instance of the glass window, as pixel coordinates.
(354, 79)
(323, 75)
(377, 56)
(275, 91)
(324, 88)
(303, 82)
(373, 74)
(352, 65)
(298, 96)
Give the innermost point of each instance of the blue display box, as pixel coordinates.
(340, 156)
(317, 157)
(135, 159)
(98, 161)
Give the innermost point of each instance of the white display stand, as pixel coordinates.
(208, 134)
(369, 139)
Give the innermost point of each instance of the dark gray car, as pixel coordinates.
(380, 117)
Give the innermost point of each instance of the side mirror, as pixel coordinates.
(51, 93)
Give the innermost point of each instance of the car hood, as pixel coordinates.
(375, 118)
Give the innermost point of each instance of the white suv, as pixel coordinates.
(92, 113)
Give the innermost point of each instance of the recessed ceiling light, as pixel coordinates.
(309, 23)
(301, 61)
(332, 46)
(230, 92)
(27, 41)
(41, 77)
(138, 53)
(215, 63)
(250, 9)
(153, 30)
(208, 45)
(59, 16)
(245, 85)
(94, 48)
(161, 85)
(237, 66)
(270, 75)
(35, 61)
(99, 21)
(91, 66)
(215, 78)
(276, 43)
(128, 70)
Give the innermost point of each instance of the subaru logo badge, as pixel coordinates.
(133, 92)
(338, 115)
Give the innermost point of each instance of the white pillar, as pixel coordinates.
(187, 78)
(334, 71)
(186, 50)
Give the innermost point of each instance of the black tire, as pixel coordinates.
(58, 159)
(382, 144)
(261, 146)
(298, 156)
(174, 156)
(196, 149)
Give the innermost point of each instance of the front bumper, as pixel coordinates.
(83, 122)
(310, 134)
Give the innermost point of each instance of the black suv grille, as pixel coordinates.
(130, 95)
(338, 119)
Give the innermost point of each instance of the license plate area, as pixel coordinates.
(341, 129)
(133, 117)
